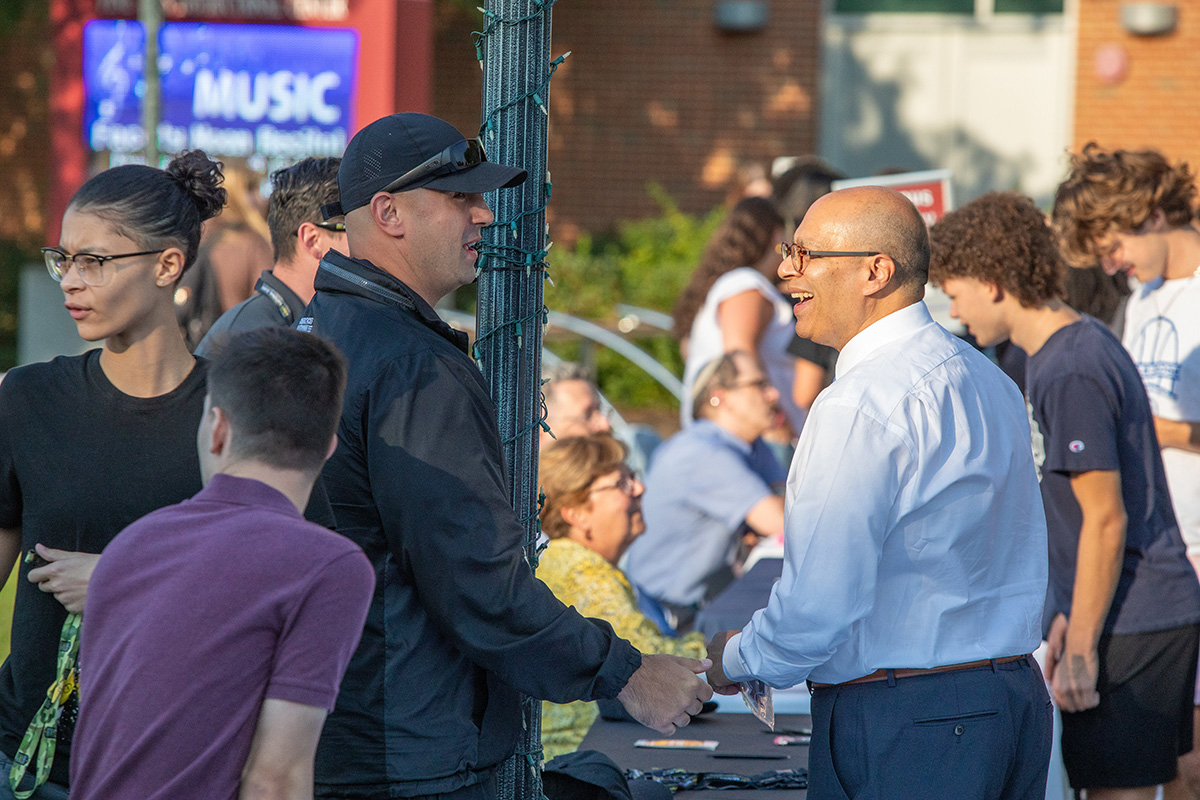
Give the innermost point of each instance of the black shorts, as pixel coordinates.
(1144, 720)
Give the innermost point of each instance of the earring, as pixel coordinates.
(161, 282)
(714, 402)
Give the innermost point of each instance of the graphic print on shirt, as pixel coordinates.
(1037, 441)
(1155, 350)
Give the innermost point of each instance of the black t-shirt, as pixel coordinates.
(823, 356)
(1090, 412)
(80, 460)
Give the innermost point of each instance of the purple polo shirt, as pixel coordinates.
(195, 614)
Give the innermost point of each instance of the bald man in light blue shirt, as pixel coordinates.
(915, 560)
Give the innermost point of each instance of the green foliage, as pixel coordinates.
(644, 263)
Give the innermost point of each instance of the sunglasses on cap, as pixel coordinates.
(458, 156)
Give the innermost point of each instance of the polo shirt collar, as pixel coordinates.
(233, 490)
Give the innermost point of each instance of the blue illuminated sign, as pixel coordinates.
(278, 91)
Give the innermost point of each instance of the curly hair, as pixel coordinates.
(1001, 238)
(567, 469)
(1117, 190)
(742, 239)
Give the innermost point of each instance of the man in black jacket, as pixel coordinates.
(459, 625)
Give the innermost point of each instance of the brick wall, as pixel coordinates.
(653, 93)
(25, 63)
(1157, 105)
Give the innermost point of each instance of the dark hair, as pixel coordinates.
(720, 373)
(297, 194)
(1117, 190)
(799, 186)
(282, 391)
(741, 240)
(1001, 238)
(156, 207)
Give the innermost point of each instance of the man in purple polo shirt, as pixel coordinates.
(217, 631)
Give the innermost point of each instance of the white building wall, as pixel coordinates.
(990, 97)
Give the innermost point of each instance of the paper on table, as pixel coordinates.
(757, 696)
(678, 744)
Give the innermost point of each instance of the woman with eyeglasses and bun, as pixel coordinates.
(90, 443)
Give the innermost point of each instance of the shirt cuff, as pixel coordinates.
(732, 663)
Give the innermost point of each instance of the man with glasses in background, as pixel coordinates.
(572, 404)
(299, 237)
(915, 546)
(713, 489)
(459, 625)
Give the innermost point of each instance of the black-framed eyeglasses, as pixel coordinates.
(94, 270)
(336, 227)
(458, 156)
(625, 484)
(801, 255)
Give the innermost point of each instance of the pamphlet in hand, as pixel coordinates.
(757, 696)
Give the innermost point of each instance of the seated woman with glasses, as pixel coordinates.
(592, 512)
(90, 443)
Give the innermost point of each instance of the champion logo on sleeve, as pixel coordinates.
(1075, 446)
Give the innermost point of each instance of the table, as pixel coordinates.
(737, 733)
(732, 608)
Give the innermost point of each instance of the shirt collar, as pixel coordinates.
(224, 488)
(896, 325)
(363, 272)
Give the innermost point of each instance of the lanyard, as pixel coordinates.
(42, 737)
(275, 297)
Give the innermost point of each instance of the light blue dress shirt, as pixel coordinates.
(703, 481)
(915, 535)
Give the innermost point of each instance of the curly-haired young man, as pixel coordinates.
(1122, 611)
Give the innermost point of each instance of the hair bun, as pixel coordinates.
(201, 178)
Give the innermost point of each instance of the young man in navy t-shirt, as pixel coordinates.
(1123, 605)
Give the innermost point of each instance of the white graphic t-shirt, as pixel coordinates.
(1162, 333)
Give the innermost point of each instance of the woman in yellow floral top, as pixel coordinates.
(592, 512)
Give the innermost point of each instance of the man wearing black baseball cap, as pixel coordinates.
(458, 624)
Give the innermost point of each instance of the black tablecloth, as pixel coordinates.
(737, 733)
(732, 608)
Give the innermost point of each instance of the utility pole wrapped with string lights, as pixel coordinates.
(514, 52)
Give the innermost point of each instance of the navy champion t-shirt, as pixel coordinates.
(1089, 411)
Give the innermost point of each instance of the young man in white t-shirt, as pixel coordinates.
(1131, 211)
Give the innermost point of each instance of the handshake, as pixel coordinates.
(666, 691)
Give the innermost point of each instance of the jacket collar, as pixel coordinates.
(356, 276)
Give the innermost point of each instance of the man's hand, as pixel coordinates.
(1072, 672)
(717, 679)
(66, 576)
(665, 692)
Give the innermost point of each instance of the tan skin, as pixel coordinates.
(299, 271)
(426, 239)
(144, 355)
(1072, 663)
(837, 299)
